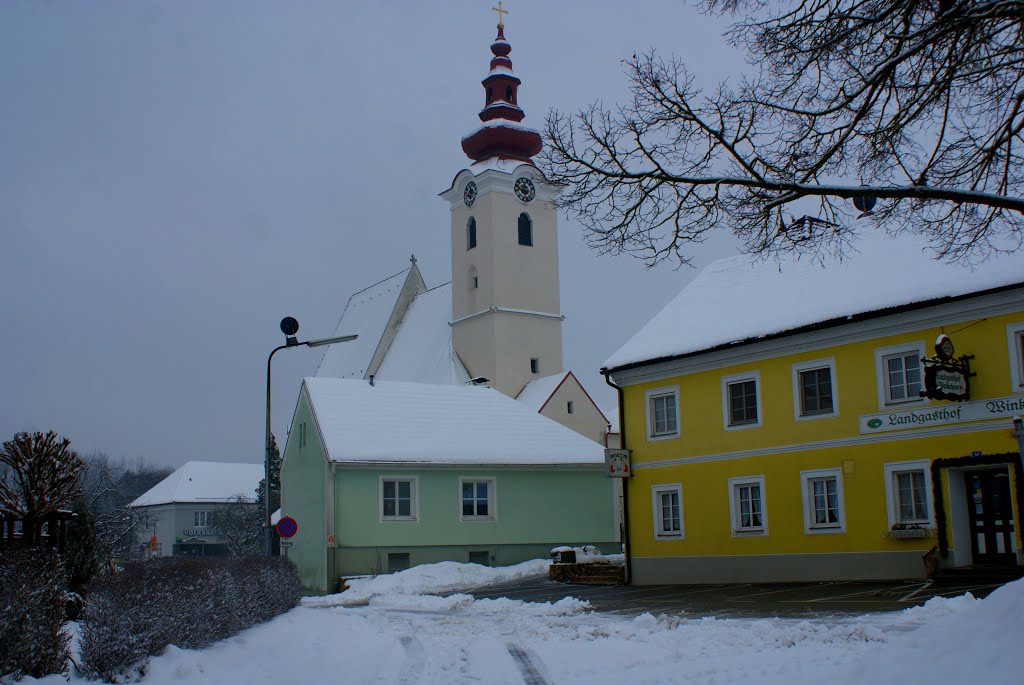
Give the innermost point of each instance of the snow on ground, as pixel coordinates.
(395, 637)
(441, 577)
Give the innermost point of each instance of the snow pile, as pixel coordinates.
(589, 554)
(430, 578)
(961, 640)
(567, 606)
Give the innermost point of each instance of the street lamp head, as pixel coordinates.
(331, 341)
(289, 326)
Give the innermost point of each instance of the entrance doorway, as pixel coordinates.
(990, 515)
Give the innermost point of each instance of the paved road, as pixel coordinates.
(779, 599)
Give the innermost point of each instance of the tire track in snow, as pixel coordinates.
(527, 665)
(412, 667)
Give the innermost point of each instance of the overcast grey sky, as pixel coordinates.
(177, 176)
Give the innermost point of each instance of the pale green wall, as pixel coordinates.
(303, 495)
(535, 510)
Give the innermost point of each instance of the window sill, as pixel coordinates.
(749, 533)
(387, 519)
(668, 536)
(812, 417)
(742, 426)
(477, 519)
(662, 436)
(824, 530)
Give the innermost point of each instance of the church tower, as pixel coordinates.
(506, 319)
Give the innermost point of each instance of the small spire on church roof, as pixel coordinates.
(412, 259)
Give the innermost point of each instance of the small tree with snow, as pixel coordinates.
(241, 525)
(39, 476)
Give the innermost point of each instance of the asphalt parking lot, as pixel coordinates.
(745, 600)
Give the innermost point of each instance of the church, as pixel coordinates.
(450, 430)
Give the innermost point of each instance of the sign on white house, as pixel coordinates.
(979, 410)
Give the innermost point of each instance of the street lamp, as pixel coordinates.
(289, 326)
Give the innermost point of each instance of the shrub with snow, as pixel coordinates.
(32, 593)
(182, 601)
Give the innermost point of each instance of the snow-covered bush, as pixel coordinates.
(182, 601)
(32, 593)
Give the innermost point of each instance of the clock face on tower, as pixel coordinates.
(469, 194)
(524, 189)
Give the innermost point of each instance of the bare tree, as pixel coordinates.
(109, 486)
(241, 524)
(918, 104)
(39, 478)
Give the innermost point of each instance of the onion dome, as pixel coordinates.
(501, 135)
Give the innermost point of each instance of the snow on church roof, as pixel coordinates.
(366, 314)
(399, 422)
(204, 481)
(733, 300)
(422, 350)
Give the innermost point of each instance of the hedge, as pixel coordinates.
(32, 594)
(188, 602)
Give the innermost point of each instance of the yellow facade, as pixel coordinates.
(782, 444)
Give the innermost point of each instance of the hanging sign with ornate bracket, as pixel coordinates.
(945, 377)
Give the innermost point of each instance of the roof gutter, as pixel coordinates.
(625, 481)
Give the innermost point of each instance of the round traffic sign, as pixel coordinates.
(287, 527)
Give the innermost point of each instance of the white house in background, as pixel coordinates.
(179, 509)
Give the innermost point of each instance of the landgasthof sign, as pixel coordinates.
(978, 410)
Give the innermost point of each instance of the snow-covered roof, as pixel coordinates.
(734, 300)
(366, 314)
(499, 123)
(537, 392)
(204, 481)
(399, 422)
(422, 351)
(507, 166)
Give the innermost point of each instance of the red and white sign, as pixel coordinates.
(617, 462)
(330, 541)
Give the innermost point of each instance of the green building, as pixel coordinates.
(384, 476)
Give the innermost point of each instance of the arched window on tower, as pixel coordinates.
(471, 234)
(490, 95)
(508, 93)
(525, 229)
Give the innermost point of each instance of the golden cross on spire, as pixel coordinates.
(500, 11)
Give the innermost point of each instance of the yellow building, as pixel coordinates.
(778, 433)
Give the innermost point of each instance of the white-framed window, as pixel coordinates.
(747, 506)
(201, 519)
(908, 492)
(667, 507)
(741, 401)
(662, 413)
(900, 374)
(477, 499)
(399, 499)
(814, 389)
(822, 492)
(1015, 343)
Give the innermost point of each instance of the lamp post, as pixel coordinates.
(289, 326)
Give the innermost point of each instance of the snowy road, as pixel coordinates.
(392, 635)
